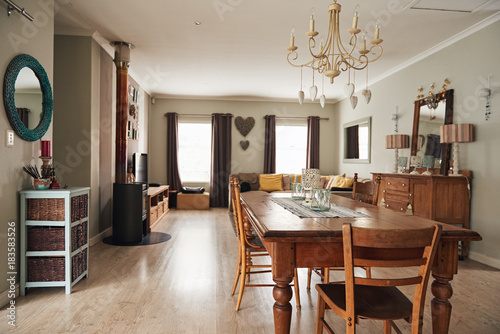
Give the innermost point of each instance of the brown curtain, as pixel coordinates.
(221, 160)
(312, 160)
(173, 177)
(352, 142)
(24, 116)
(270, 145)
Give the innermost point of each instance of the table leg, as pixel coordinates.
(445, 266)
(440, 304)
(282, 308)
(283, 265)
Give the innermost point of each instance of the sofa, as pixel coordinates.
(253, 179)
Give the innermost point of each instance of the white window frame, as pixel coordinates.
(204, 146)
(298, 154)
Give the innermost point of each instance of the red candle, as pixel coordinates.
(45, 148)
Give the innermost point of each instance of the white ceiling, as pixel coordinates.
(239, 50)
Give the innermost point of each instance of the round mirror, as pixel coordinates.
(27, 97)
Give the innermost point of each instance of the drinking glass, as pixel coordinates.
(298, 191)
(320, 199)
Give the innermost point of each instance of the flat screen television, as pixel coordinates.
(140, 164)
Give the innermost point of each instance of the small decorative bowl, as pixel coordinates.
(41, 184)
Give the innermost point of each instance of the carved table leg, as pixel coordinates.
(282, 308)
(445, 266)
(283, 265)
(440, 304)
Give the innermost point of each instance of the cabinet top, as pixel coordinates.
(55, 191)
(408, 175)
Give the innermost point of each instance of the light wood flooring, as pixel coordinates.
(184, 284)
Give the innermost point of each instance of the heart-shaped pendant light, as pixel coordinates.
(301, 96)
(313, 91)
(354, 101)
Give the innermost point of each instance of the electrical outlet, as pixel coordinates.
(9, 138)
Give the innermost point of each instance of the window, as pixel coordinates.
(194, 150)
(291, 146)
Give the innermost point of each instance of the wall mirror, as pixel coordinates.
(425, 142)
(27, 96)
(357, 141)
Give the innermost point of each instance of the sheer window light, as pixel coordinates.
(194, 150)
(291, 146)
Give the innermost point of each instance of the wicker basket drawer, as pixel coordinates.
(45, 269)
(153, 215)
(79, 207)
(78, 264)
(46, 209)
(46, 239)
(79, 235)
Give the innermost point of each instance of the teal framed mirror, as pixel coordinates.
(9, 89)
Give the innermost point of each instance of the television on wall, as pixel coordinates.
(140, 164)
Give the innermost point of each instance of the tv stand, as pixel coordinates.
(157, 205)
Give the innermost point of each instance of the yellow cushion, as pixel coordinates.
(333, 179)
(342, 182)
(271, 182)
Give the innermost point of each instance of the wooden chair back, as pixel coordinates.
(233, 183)
(366, 192)
(370, 248)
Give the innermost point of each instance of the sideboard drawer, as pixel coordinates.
(399, 206)
(396, 183)
(401, 196)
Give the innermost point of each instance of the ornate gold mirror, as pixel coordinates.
(425, 141)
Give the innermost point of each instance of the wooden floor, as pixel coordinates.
(184, 284)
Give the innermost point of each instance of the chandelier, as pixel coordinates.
(333, 57)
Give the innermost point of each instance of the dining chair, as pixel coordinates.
(378, 297)
(365, 192)
(249, 247)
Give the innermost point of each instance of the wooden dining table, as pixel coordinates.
(295, 242)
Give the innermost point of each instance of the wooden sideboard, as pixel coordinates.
(442, 198)
(157, 204)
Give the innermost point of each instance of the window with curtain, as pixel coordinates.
(291, 146)
(194, 149)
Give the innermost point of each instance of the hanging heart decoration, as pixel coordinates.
(244, 144)
(244, 125)
(367, 94)
(301, 96)
(354, 101)
(349, 89)
(313, 91)
(322, 101)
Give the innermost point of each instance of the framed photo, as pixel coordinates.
(415, 161)
(402, 162)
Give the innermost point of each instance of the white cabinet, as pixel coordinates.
(54, 237)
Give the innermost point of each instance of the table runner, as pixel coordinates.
(296, 207)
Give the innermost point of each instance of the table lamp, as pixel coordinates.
(396, 142)
(310, 179)
(454, 134)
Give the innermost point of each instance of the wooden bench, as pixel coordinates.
(193, 201)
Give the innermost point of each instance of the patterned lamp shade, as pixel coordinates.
(457, 133)
(397, 141)
(311, 178)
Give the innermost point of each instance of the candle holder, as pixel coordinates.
(46, 166)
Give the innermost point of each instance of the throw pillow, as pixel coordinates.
(295, 178)
(342, 182)
(333, 179)
(286, 182)
(271, 182)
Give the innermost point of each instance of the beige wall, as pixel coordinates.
(467, 64)
(251, 160)
(76, 125)
(18, 35)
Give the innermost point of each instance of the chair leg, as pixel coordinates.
(387, 327)
(248, 259)
(296, 288)
(320, 315)
(238, 272)
(326, 275)
(242, 283)
(309, 273)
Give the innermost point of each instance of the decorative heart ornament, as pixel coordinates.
(313, 91)
(367, 94)
(244, 144)
(349, 89)
(322, 100)
(354, 101)
(301, 96)
(244, 125)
